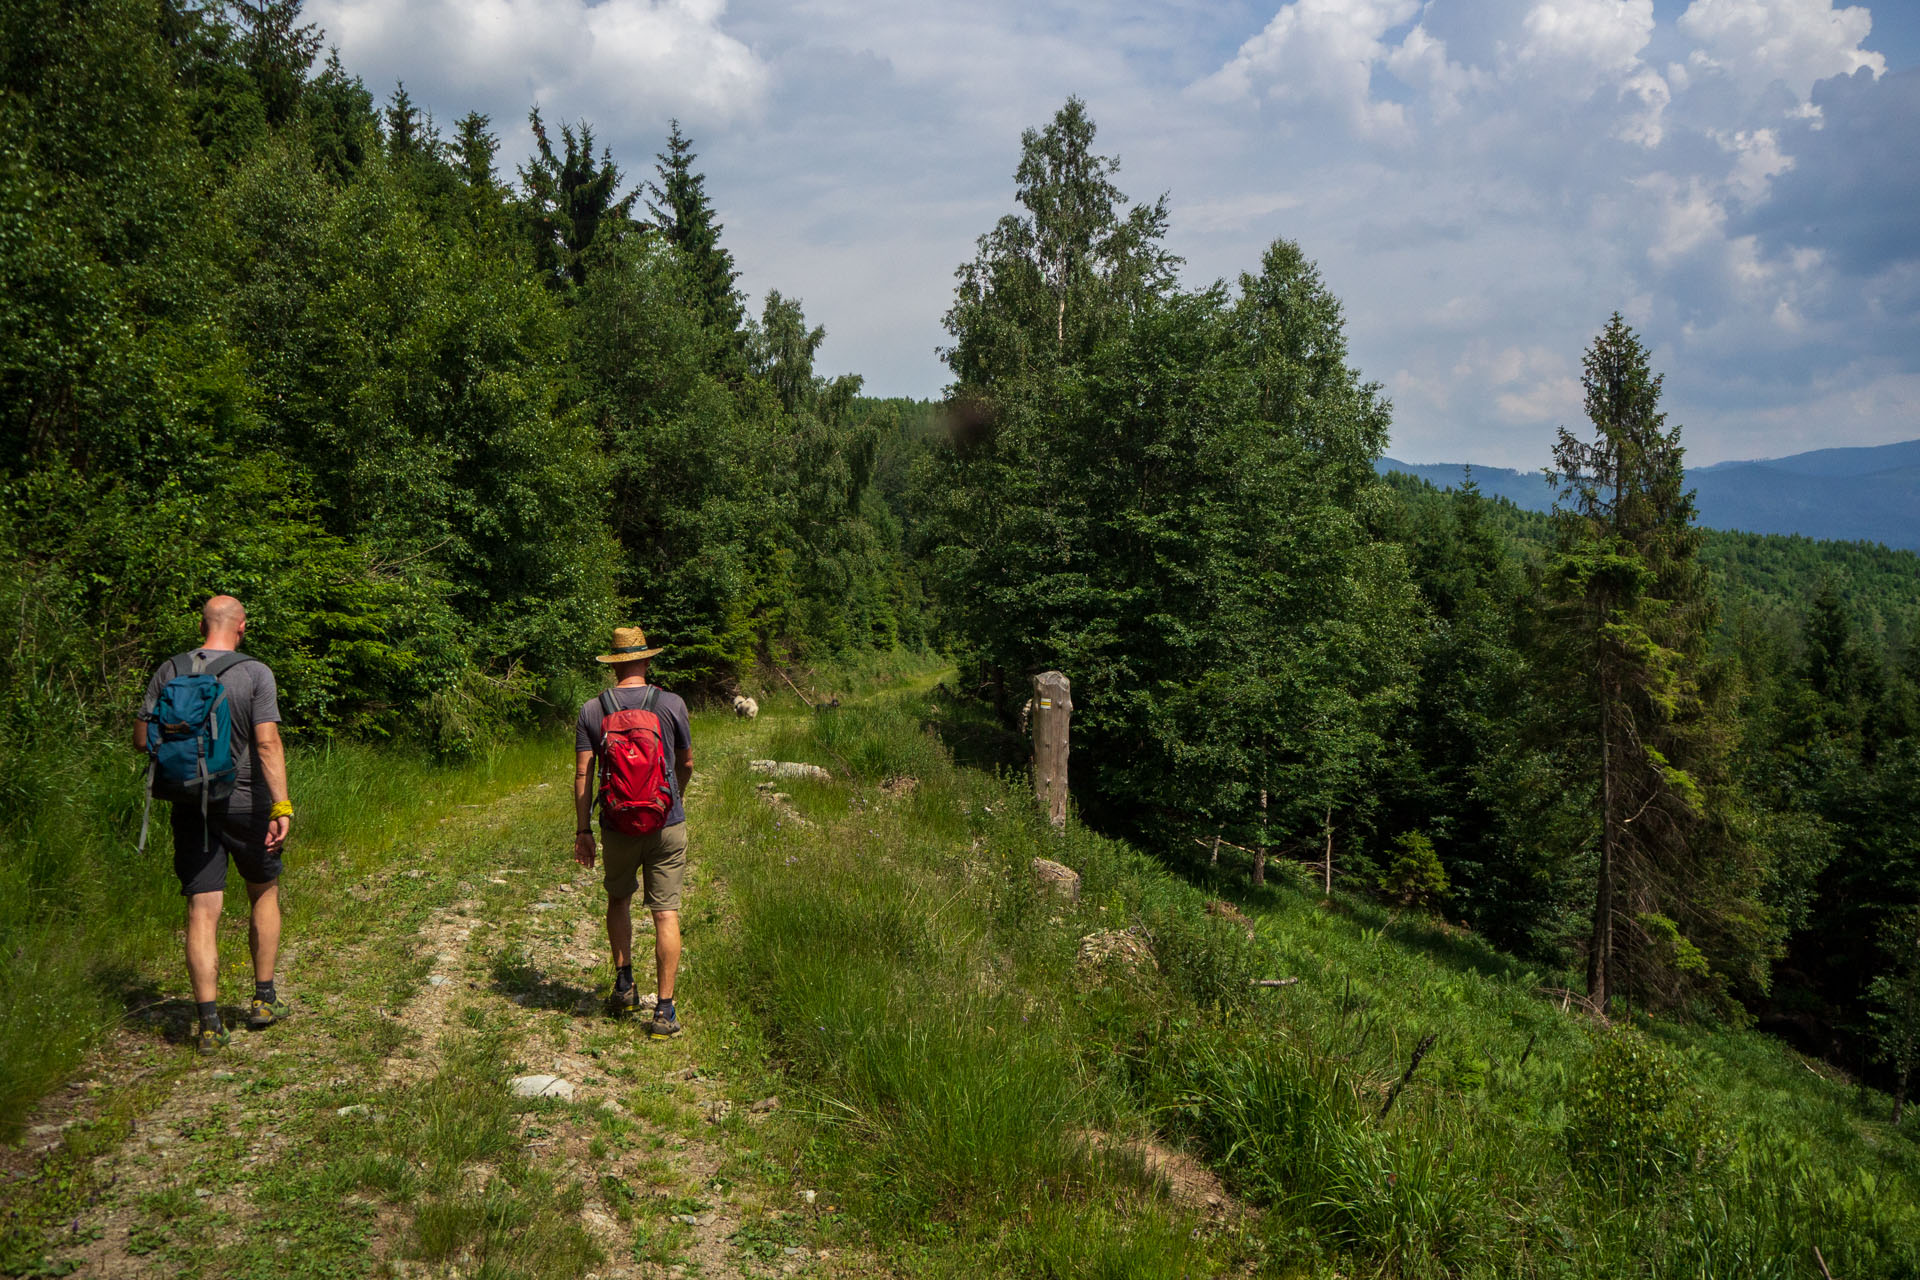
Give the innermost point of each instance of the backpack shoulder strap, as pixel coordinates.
(608, 704)
(226, 662)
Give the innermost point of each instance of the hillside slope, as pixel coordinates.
(965, 1023)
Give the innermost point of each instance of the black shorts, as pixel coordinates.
(200, 856)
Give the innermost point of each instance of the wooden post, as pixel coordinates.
(1052, 710)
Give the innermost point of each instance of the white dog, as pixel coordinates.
(744, 707)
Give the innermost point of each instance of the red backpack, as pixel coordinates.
(635, 794)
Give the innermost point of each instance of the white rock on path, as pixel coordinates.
(541, 1087)
(789, 769)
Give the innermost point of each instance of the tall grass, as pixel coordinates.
(908, 966)
(951, 1078)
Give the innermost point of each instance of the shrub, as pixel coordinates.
(1415, 876)
(1634, 1123)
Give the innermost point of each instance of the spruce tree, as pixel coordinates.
(1675, 904)
(567, 198)
(277, 49)
(683, 214)
(341, 123)
(406, 129)
(476, 147)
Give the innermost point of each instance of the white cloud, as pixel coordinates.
(1757, 160)
(1646, 124)
(617, 58)
(1585, 43)
(1791, 42)
(1420, 61)
(1687, 216)
(1320, 52)
(1533, 385)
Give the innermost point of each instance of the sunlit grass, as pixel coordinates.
(914, 978)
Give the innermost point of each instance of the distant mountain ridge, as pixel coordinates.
(1864, 495)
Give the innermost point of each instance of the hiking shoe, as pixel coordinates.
(621, 1003)
(663, 1027)
(211, 1041)
(265, 1013)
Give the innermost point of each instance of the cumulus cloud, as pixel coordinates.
(1795, 43)
(1585, 43)
(615, 59)
(1420, 61)
(1319, 53)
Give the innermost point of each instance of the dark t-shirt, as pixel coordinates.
(673, 715)
(252, 698)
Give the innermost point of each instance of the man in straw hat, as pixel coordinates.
(658, 855)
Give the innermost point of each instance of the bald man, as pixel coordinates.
(250, 826)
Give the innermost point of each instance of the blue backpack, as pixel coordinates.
(190, 736)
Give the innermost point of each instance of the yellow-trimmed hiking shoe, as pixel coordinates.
(264, 1013)
(211, 1041)
(665, 1026)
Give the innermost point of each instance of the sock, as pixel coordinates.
(623, 978)
(210, 1015)
(263, 990)
(664, 1009)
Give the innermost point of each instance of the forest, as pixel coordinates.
(439, 417)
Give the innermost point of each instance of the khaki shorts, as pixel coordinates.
(661, 857)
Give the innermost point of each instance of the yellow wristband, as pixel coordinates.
(281, 809)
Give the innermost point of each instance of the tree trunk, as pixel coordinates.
(1326, 866)
(1600, 951)
(1260, 845)
(1899, 1095)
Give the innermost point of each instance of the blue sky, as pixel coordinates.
(1481, 181)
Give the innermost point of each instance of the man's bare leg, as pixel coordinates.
(263, 929)
(666, 951)
(203, 944)
(620, 930)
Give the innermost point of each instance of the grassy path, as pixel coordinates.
(374, 1132)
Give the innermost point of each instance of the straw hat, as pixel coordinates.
(629, 645)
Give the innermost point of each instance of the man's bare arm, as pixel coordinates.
(271, 754)
(583, 847)
(683, 772)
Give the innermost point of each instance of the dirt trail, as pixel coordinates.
(509, 939)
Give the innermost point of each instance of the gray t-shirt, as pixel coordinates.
(252, 698)
(673, 715)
